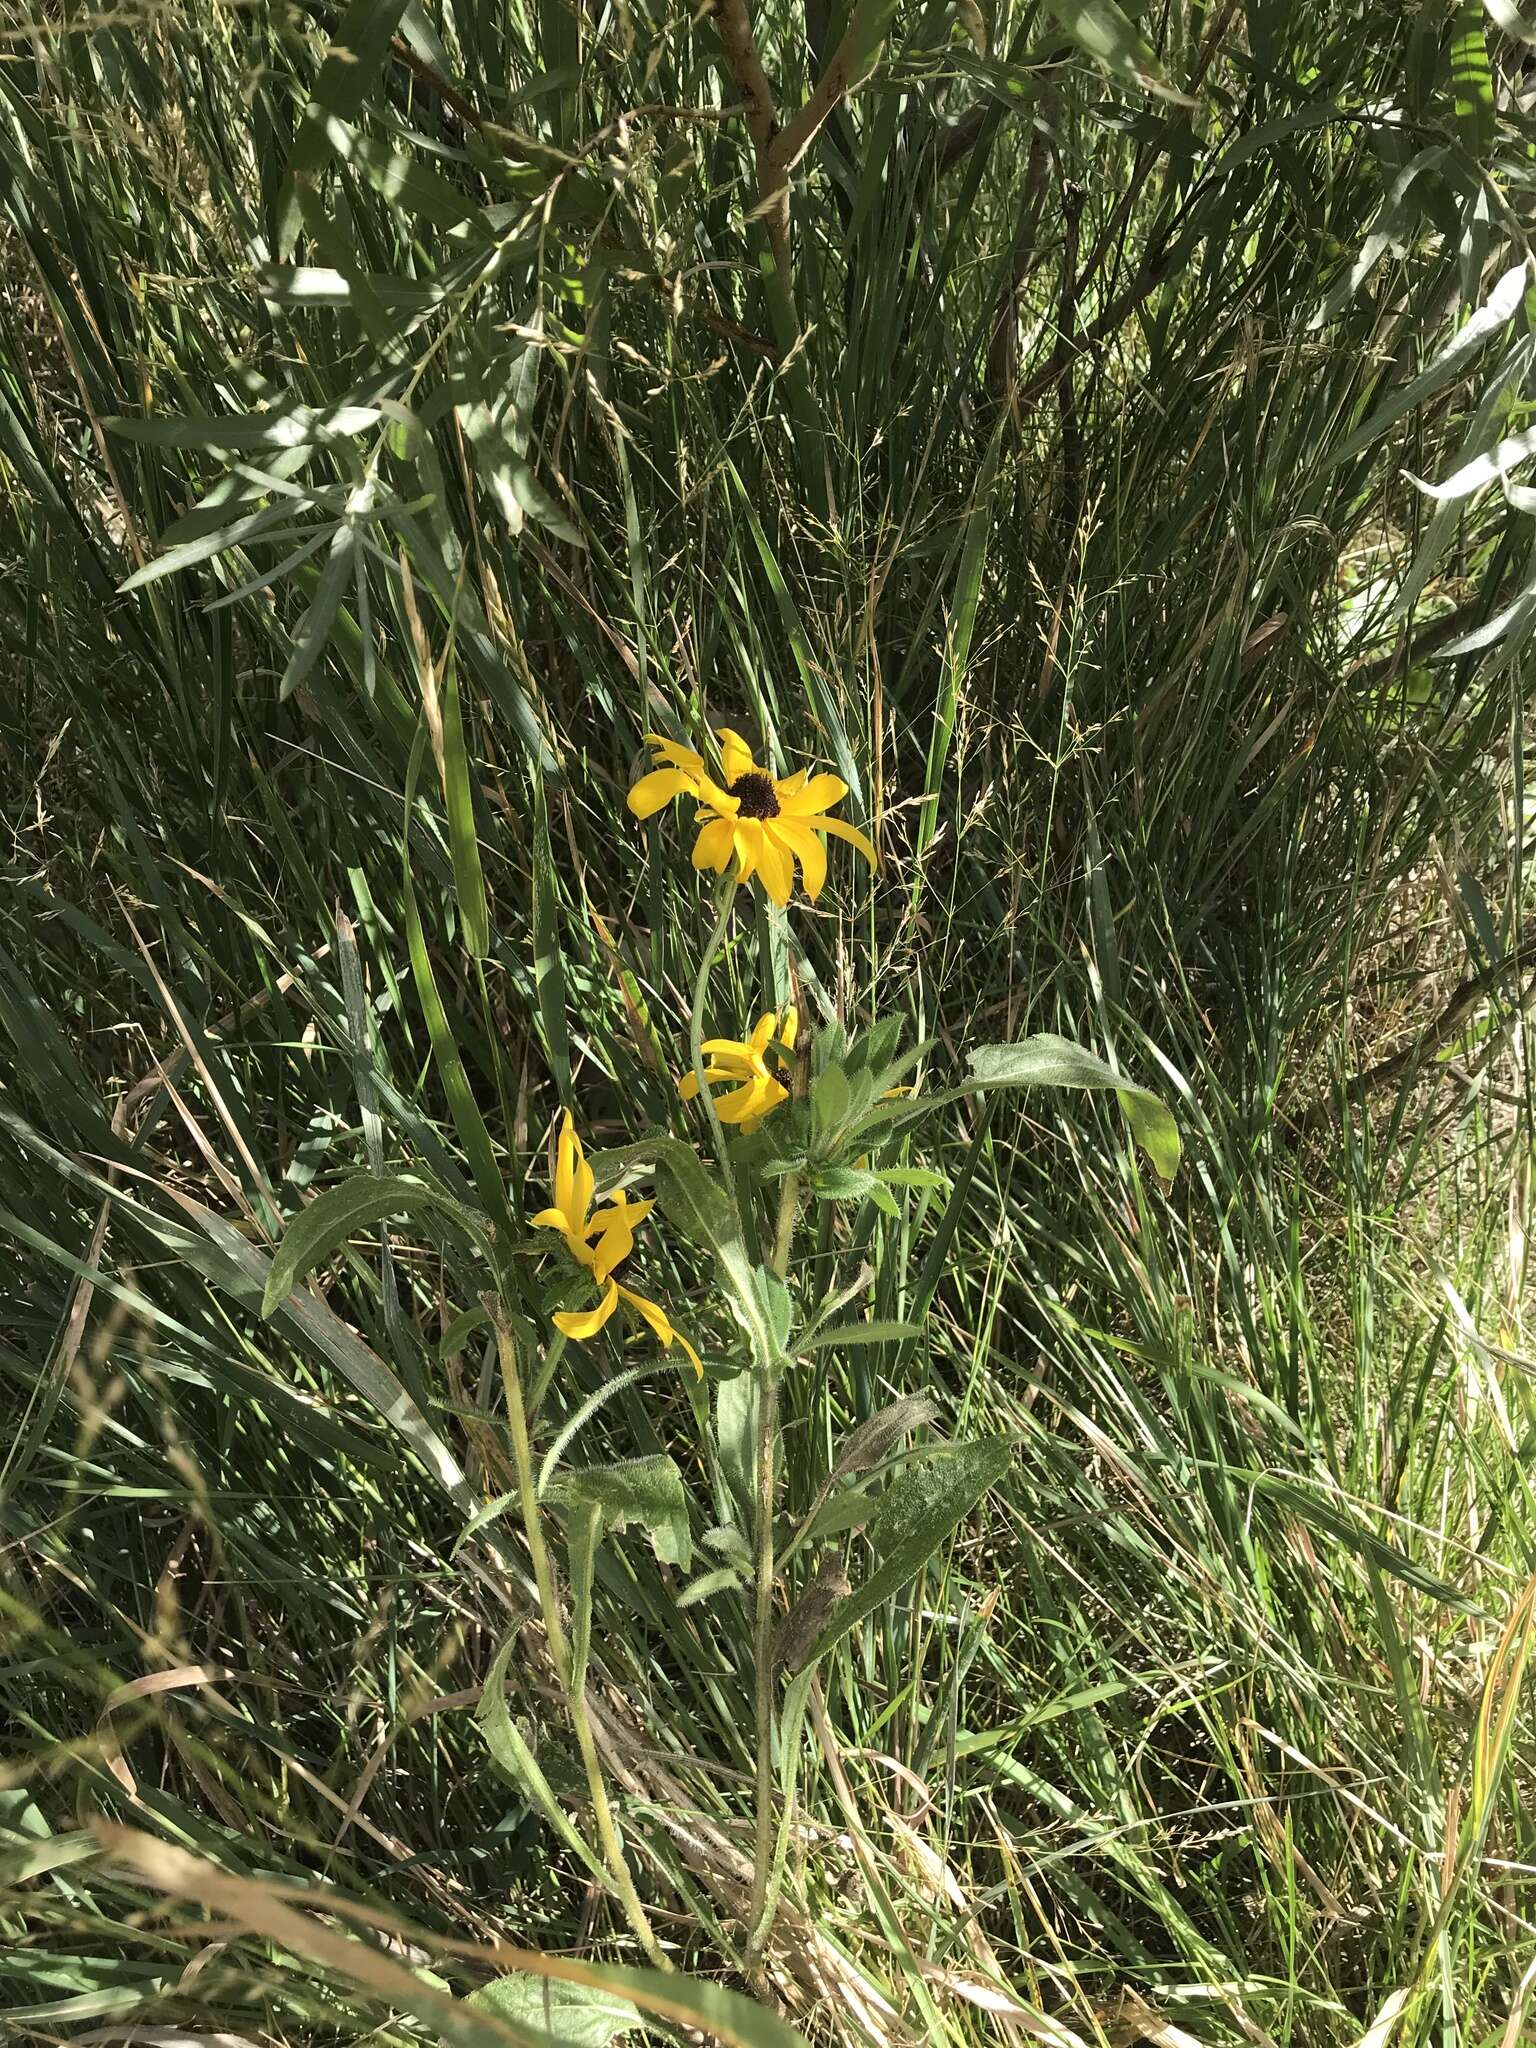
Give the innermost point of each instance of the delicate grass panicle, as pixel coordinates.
(619, 1415)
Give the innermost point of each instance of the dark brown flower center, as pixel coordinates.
(755, 795)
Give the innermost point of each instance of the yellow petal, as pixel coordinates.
(567, 1152)
(715, 798)
(791, 785)
(731, 1050)
(615, 1244)
(688, 1086)
(580, 1323)
(658, 788)
(852, 834)
(764, 1030)
(698, 1363)
(789, 1025)
(712, 848)
(735, 756)
(776, 866)
(550, 1219)
(798, 838)
(675, 755)
(747, 837)
(751, 1099)
(657, 1317)
(819, 794)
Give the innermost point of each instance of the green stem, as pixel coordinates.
(761, 1910)
(696, 1031)
(559, 1649)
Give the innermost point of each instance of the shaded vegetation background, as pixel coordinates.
(1067, 507)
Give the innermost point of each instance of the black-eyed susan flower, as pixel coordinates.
(600, 1240)
(748, 1065)
(765, 824)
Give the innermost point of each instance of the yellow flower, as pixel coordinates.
(600, 1240)
(756, 1090)
(767, 825)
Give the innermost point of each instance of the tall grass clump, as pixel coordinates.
(766, 1132)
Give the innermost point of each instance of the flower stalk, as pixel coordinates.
(761, 1910)
(559, 1647)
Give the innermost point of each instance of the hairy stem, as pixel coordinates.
(559, 1648)
(696, 1030)
(760, 1912)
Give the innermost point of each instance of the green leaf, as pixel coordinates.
(1509, 18)
(776, 1303)
(917, 1512)
(341, 1212)
(725, 2016)
(247, 1272)
(736, 1435)
(1472, 82)
(539, 505)
(1354, 1535)
(836, 1335)
(645, 1490)
(829, 1100)
(357, 51)
(254, 525)
(564, 2015)
(407, 183)
(504, 1739)
(1046, 1061)
(723, 1579)
(694, 1200)
(464, 843)
(1502, 304)
(314, 629)
(548, 961)
(291, 426)
(1105, 34)
(468, 1121)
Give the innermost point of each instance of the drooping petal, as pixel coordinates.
(819, 794)
(698, 1363)
(581, 1193)
(799, 839)
(735, 756)
(586, 1322)
(852, 834)
(775, 865)
(789, 1024)
(731, 1050)
(658, 788)
(747, 837)
(688, 1085)
(551, 1219)
(762, 1032)
(712, 848)
(657, 1317)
